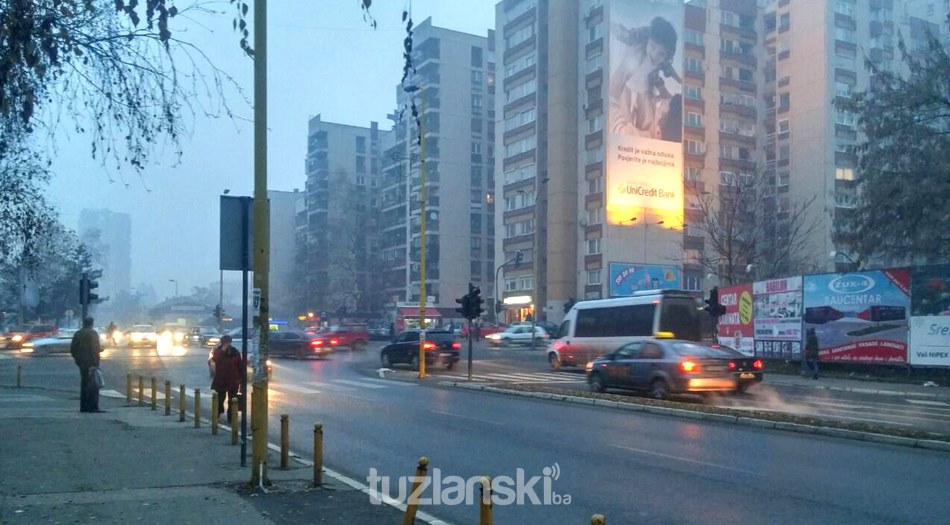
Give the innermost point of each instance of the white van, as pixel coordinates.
(594, 328)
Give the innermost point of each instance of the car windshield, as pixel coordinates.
(702, 350)
(439, 337)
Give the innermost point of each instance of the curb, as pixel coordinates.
(860, 390)
(928, 444)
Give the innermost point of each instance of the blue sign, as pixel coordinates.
(625, 278)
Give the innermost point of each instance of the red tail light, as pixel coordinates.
(428, 345)
(758, 364)
(334, 342)
(316, 342)
(689, 367)
(732, 366)
(456, 345)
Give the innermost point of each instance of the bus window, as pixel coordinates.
(680, 315)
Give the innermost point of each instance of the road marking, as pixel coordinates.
(5, 356)
(328, 386)
(298, 389)
(359, 384)
(388, 382)
(112, 393)
(687, 460)
(928, 403)
(480, 420)
(530, 378)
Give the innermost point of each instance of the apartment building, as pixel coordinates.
(337, 224)
(454, 94)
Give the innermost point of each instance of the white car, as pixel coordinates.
(518, 335)
(142, 335)
(58, 344)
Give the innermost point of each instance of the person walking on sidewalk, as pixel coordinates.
(811, 353)
(228, 366)
(85, 349)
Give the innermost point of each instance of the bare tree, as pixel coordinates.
(746, 223)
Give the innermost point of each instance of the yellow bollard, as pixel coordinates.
(197, 408)
(19, 376)
(598, 519)
(168, 398)
(154, 394)
(485, 504)
(141, 391)
(181, 403)
(214, 414)
(128, 389)
(284, 440)
(317, 454)
(233, 413)
(412, 502)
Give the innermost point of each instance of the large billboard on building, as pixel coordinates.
(778, 317)
(626, 278)
(644, 120)
(735, 326)
(930, 316)
(860, 316)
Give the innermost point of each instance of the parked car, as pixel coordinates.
(57, 344)
(18, 335)
(292, 343)
(142, 335)
(662, 367)
(352, 336)
(518, 335)
(379, 332)
(441, 347)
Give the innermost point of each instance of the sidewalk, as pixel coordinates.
(132, 464)
(860, 386)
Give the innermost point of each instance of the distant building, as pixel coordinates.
(283, 210)
(108, 235)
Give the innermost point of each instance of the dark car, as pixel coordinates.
(662, 367)
(441, 346)
(203, 336)
(293, 343)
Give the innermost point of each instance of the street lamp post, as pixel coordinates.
(422, 228)
(176, 286)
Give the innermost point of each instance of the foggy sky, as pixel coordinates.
(324, 60)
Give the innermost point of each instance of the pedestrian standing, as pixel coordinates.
(85, 349)
(228, 366)
(811, 353)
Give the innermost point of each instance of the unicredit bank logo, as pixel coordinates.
(646, 191)
(851, 284)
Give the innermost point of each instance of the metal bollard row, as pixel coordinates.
(317, 454)
(412, 503)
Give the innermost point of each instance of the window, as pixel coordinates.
(519, 36)
(595, 124)
(519, 64)
(745, 75)
(524, 172)
(692, 283)
(845, 118)
(521, 90)
(526, 283)
(476, 243)
(845, 7)
(844, 173)
(476, 79)
(694, 37)
(695, 147)
(476, 148)
(476, 56)
(730, 19)
(842, 89)
(361, 180)
(475, 220)
(520, 146)
(784, 101)
(694, 64)
(784, 22)
(845, 35)
(361, 144)
(476, 104)
(595, 215)
(693, 174)
(519, 119)
(618, 321)
(360, 164)
(476, 269)
(694, 120)
(783, 128)
(693, 92)
(595, 185)
(593, 246)
(593, 276)
(594, 32)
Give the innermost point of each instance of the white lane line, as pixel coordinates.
(112, 393)
(5, 356)
(329, 386)
(480, 420)
(686, 460)
(359, 384)
(388, 382)
(928, 403)
(298, 389)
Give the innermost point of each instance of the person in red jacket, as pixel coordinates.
(228, 372)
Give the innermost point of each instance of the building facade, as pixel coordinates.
(336, 260)
(454, 96)
(108, 235)
(284, 206)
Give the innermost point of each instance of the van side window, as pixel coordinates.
(617, 321)
(564, 329)
(638, 320)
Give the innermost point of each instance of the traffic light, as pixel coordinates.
(499, 306)
(464, 306)
(712, 303)
(218, 312)
(475, 302)
(519, 258)
(87, 286)
(569, 304)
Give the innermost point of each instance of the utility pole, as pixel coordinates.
(261, 229)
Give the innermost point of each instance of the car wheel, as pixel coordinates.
(659, 389)
(597, 383)
(450, 365)
(385, 361)
(359, 346)
(554, 361)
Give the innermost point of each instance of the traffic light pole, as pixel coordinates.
(83, 293)
(469, 349)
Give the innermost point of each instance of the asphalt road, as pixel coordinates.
(633, 467)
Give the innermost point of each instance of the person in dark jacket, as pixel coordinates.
(811, 353)
(228, 372)
(85, 349)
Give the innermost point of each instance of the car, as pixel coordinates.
(441, 346)
(748, 370)
(57, 344)
(663, 366)
(18, 335)
(203, 336)
(142, 335)
(174, 334)
(352, 336)
(293, 343)
(379, 332)
(519, 334)
(484, 330)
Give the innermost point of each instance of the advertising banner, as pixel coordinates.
(626, 278)
(644, 134)
(735, 326)
(930, 316)
(861, 316)
(777, 317)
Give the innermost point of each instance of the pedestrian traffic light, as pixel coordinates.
(475, 302)
(519, 258)
(712, 303)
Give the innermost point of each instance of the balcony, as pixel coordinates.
(742, 58)
(742, 85)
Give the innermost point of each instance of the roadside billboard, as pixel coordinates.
(626, 278)
(735, 326)
(777, 317)
(644, 134)
(930, 316)
(860, 316)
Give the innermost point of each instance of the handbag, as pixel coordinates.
(95, 376)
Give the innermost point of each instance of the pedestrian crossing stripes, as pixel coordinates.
(516, 377)
(5, 356)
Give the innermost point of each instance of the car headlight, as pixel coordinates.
(17, 338)
(589, 366)
(153, 337)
